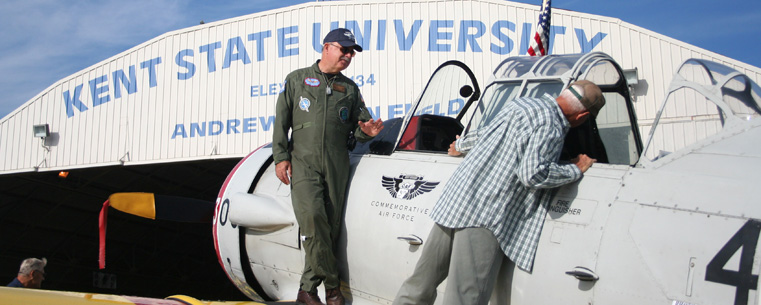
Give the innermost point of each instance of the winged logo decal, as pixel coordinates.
(407, 186)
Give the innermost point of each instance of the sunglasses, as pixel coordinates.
(344, 50)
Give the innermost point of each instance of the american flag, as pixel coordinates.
(541, 43)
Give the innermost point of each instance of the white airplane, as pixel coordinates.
(642, 226)
(674, 221)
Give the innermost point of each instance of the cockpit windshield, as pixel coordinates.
(739, 92)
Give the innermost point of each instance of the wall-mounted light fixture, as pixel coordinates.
(41, 131)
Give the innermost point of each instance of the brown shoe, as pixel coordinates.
(308, 298)
(334, 296)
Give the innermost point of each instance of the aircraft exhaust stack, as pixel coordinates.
(259, 213)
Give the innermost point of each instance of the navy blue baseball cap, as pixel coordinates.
(344, 37)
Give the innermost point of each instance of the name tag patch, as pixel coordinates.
(312, 82)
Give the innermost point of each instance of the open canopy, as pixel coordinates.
(704, 99)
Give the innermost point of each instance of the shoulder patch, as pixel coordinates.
(304, 104)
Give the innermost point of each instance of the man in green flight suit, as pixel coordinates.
(321, 107)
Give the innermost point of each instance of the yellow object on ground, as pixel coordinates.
(25, 296)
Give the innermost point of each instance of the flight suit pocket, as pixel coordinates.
(300, 126)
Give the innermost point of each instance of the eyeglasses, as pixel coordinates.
(344, 50)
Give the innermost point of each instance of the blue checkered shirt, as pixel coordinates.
(508, 176)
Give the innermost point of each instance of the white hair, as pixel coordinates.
(31, 264)
(573, 102)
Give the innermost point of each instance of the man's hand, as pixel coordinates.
(452, 151)
(283, 171)
(371, 127)
(583, 162)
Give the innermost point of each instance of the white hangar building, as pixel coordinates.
(174, 114)
(209, 91)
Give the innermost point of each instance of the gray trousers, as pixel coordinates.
(470, 257)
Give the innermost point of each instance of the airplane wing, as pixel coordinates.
(15, 296)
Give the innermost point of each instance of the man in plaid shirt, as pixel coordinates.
(496, 201)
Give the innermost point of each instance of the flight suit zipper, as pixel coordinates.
(324, 126)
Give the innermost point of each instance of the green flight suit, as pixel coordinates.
(320, 124)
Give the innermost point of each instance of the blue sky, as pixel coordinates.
(43, 41)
